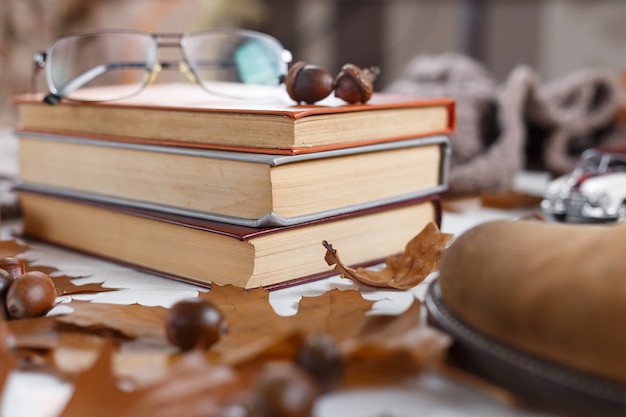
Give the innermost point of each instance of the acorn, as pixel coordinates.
(320, 357)
(284, 390)
(5, 283)
(13, 266)
(308, 83)
(194, 323)
(31, 294)
(355, 85)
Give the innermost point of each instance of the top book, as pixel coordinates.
(184, 115)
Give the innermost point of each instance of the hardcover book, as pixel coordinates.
(183, 115)
(205, 252)
(243, 188)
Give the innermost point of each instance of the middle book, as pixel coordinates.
(242, 188)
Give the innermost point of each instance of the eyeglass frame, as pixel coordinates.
(162, 40)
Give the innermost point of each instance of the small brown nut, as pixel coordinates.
(194, 323)
(32, 294)
(308, 83)
(6, 281)
(355, 85)
(13, 266)
(284, 390)
(320, 357)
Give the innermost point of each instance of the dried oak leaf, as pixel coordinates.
(254, 325)
(191, 388)
(132, 321)
(389, 348)
(378, 349)
(8, 360)
(48, 270)
(252, 322)
(66, 286)
(39, 333)
(11, 248)
(75, 352)
(388, 345)
(340, 313)
(404, 271)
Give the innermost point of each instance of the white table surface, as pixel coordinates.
(30, 394)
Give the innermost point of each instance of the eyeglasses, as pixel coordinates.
(116, 64)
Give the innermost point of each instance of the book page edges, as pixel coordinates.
(21, 130)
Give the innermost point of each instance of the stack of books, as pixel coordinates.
(213, 190)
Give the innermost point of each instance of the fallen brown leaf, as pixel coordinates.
(191, 388)
(336, 312)
(65, 285)
(8, 361)
(75, 352)
(252, 322)
(37, 333)
(132, 321)
(390, 348)
(420, 258)
(48, 270)
(376, 349)
(11, 248)
(254, 325)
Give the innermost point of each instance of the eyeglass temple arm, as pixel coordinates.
(39, 62)
(87, 76)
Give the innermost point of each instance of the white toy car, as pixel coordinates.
(594, 191)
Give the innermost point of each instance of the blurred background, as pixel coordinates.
(554, 37)
(546, 127)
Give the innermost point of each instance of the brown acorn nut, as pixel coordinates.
(308, 83)
(13, 266)
(194, 323)
(320, 357)
(354, 84)
(10, 268)
(284, 390)
(32, 294)
(5, 283)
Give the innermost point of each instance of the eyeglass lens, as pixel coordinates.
(230, 63)
(224, 63)
(78, 63)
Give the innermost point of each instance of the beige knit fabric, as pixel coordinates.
(497, 123)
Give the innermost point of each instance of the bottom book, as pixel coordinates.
(206, 252)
